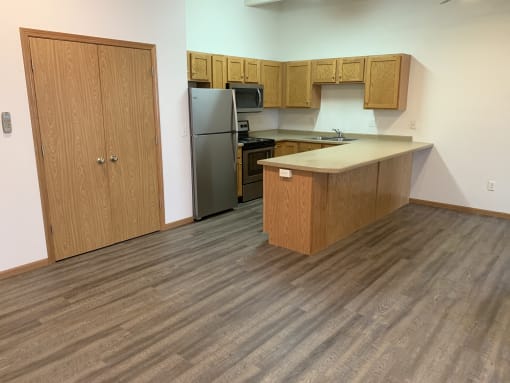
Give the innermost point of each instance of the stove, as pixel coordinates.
(251, 142)
(254, 149)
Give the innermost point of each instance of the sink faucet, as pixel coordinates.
(338, 132)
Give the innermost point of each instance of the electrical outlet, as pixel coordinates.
(491, 185)
(412, 124)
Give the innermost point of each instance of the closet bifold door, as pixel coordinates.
(68, 96)
(131, 146)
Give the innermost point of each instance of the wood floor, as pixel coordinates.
(421, 296)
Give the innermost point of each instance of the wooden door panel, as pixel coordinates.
(298, 84)
(235, 69)
(219, 72)
(324, 71)
(128, 107)
(271, 78)
(68, 94)
(382, 82)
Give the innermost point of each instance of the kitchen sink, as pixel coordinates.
(337, 139)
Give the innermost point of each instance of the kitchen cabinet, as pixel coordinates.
(350, 69)
(282, 148)
(334, 71)
(328, 145)
(239, 163)
(219, 71)
(251, 71)
(386, 82)
(235, 69)
(271, 77)
(199, 67)
(324, 71)
(307, 146)
(243, 70)
(299, 91)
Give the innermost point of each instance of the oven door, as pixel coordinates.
(252, 172)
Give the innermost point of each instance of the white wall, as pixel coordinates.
(21, 226)
(459, 88)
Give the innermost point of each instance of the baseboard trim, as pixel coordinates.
(459, 208)
(176, 224)
(23, 268)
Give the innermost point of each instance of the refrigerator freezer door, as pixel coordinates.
(214, 174)
(211, 110)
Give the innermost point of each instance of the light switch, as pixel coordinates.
(6, 122)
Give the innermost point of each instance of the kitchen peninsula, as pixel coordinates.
(313, 199)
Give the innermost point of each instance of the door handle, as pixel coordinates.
(100, 160)
(114, 158)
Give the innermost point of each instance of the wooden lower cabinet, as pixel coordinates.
(310, 211)
(308, 146)
(283, 148)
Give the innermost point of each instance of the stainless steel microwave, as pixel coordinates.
(249, 97)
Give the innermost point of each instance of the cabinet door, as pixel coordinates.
(68, 95)
(271, 78)
(130, 130)
(307, 146)
(286, 147)
(351, 69)
(324, 71)
(298, 84)
(386, 82)
(235, 69)
(219, 71)
(252, 71)
(200, 67)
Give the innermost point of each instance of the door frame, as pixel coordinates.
(26, 34)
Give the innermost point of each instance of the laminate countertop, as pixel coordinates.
(367, 149)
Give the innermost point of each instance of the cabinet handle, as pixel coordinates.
(114, 158)
(100, 160)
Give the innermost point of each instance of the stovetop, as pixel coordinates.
(251, 142)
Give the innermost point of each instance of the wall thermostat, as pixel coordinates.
(6, 122)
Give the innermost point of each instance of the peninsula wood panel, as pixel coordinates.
(219, 71)
(310, 211)
(288, 209)
(394, 184)
(68, 96)
(128, 109)
(271, 77)
(350, 205)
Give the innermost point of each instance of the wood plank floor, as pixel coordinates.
(421, 296)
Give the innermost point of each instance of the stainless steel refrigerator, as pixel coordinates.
(213, 146)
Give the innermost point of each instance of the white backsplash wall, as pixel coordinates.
(266, 120)
(341, 108)
(459, 88)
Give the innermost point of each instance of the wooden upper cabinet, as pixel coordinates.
(324, 71)
(235, 69)
(271, 77)
(386, 82)
(350, 69)
(199, 67)
(299, 91)
(219, 72)
(252, 71)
